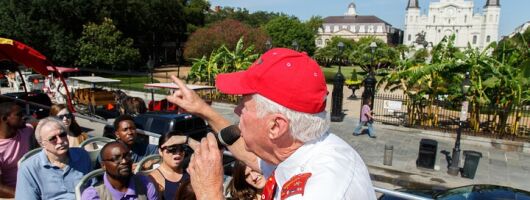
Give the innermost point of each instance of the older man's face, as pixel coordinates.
(253, 129)
(54, 139)
(117, 161)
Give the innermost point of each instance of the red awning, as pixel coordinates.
(62, 69)
(23, 54)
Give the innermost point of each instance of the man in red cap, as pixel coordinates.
(284, 129)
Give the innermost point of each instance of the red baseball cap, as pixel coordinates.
(285, 76)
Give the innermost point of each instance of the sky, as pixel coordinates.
(513, 12)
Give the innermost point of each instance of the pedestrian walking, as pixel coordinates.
(367, 119)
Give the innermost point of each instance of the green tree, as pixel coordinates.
(256, 19)
(285, 30)
(327, 55)
(222, 60)
(103, 46)
(227, 33)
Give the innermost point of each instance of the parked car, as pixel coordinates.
(162, 122)
(470, 192)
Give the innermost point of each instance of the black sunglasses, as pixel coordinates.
(117, 159)
(53, 139)
(173, 149)
(68, 116)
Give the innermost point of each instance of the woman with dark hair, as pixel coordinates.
(75, 134)
(132, 106)
(171, 173)
(246, 183)
(185, 191)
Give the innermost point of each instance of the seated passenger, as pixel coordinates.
(185, 191)
(54, 172)
(15, 139)
(170, 174)
(119, 182)
(132, 106)
(125, 131)
(75, 135)
(246, 183)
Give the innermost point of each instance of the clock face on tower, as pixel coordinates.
(450, 11)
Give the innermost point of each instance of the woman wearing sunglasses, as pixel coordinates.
(75, 134)
(171, 173)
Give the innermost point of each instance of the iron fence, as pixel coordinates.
(443, 115)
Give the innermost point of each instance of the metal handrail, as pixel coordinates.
(400, 194)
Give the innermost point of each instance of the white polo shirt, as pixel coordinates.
(337, 171)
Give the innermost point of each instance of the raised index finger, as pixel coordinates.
(182, 86)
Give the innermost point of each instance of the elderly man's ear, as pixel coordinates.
(278, 126)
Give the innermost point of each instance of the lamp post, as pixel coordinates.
(455, 161)
(370, 81)
(338, 84)
(295, 45)
(150, 66)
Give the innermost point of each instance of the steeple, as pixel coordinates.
(413, 4)
(492, 3)
(351, 9)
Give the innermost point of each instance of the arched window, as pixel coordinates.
(465, 19)
(488, 38)
(434, 19)
(327, 41)
(409, 37)
(319, 42)
(474, 39)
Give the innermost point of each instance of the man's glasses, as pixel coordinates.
(68, 116)
(53, 139)
(173, 149)
(117, 159)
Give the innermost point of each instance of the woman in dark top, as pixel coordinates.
(171, 173)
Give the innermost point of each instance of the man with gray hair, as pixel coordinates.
(54, 172)
(284, 129)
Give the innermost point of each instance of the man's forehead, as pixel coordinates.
(50, 128)
(126, 123)
(115, 149)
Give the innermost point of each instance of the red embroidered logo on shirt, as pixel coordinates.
(295, 185)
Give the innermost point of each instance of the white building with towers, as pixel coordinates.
(447, 17)
(353, 26)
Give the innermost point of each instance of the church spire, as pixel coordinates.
(492, 3)
(413, 4)
(352, 9)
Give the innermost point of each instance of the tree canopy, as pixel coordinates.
(284, 30)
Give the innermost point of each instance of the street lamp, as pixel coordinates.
(268, 44)
(150, 66)
(370, 81)
(338, 84)
(295, 45)
(455, 161)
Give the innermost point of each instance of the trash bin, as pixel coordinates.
(427, 153)
(470, 164)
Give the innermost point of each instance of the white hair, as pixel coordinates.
(46, 121)
(303, 126)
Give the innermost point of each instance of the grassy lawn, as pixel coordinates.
(329, 72)
(133, 82)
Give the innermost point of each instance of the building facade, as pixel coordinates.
(448, 17)
(520, 29)
(354, 26)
